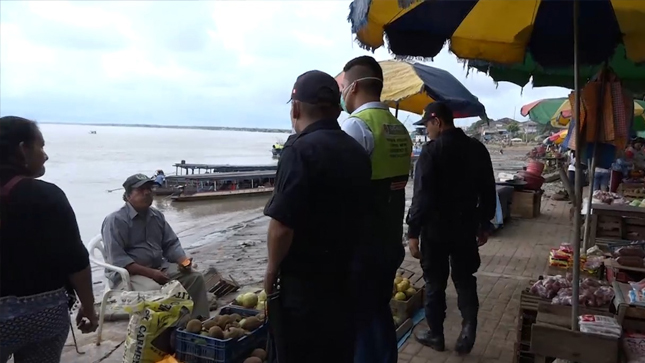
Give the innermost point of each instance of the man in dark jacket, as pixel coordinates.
(321, 197)
(454, 201)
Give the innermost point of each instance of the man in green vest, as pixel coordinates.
(381, 253)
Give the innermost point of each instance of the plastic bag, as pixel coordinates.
(600, 325)
(153, 317)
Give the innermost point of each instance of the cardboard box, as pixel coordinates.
(526, 204)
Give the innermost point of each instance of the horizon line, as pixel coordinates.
(194, 127)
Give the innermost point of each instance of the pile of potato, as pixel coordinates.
(402, 289)
(225, 326)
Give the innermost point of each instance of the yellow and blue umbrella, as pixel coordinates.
(504, 31)
(410, 86)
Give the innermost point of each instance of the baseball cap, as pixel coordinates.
(315, 87)
(435, 109)
(136, 181)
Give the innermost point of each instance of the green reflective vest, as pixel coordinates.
(392, 152)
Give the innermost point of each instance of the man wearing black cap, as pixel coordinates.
(317, 209)
(388, 142)
(453, 204)
(138, 239)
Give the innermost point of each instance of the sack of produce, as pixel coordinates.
(634, 347)
(600, 325)
(154, 315)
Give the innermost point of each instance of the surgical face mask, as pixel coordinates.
(343, 102)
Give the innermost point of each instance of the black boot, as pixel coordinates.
(429, 339)
(466, 339)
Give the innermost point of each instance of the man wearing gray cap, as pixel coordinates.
(138, 238)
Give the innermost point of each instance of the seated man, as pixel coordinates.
(138, 238)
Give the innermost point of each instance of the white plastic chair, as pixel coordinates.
(97, 244)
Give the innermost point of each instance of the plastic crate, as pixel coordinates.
(196, 348)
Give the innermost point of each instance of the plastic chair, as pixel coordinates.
(97, 244)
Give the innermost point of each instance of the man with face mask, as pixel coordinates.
(317, 209)
(388, 142)
(454, 201)
(138, 238)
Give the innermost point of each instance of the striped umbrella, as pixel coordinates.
(557, 112)
(503, 31)
(410, 86)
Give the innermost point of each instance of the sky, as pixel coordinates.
(190, 63)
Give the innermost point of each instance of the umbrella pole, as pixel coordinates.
(577, 220)
(396, 111)
(594, 158)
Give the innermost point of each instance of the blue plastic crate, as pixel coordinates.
(196, 348)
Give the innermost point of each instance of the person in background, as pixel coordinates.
(388, 143)
(601, 179)
(571, 169)
(620, 169)
(317, 211)
(160, 178)
(41, 252)
(452, 217)
(137, 237)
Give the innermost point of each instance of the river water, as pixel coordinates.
(87, 165)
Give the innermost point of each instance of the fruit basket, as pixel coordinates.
(406, 298)
(232, 342)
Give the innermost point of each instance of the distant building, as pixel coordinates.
(529, 127)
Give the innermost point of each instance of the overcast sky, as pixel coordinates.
(221, 63)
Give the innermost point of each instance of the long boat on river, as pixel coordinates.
(225, 185)
(185, 172)
(184, 168)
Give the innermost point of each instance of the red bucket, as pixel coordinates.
(533, 182)
(535, 167)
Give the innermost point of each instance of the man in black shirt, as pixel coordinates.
(317, 218)
(453, 203)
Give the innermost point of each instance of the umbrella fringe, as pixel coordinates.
(358, 12)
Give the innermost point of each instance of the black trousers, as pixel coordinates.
(456, 257)
(316, 321)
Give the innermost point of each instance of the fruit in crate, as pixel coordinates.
(397, 279)
(400, 296)
(410, 292)
(250, 324)
(249, 300)
(403, 285)
(262, 296)
(216, 332)
(260, 306)
(194, 326)
(234, 333)
(252, 360)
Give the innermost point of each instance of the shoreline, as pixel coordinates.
(239, 249)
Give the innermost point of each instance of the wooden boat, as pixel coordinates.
(186, 172)
(225, 185)
(184, 168)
